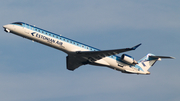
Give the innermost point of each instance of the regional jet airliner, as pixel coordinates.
(79, 54)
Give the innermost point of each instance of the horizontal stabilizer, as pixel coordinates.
(164, 57)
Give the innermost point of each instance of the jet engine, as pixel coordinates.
(128, 59)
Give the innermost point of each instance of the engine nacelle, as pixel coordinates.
(128, 59)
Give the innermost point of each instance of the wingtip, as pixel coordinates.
(133, 48)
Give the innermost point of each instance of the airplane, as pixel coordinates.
(79, 54)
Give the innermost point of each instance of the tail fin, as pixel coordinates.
(149, 60)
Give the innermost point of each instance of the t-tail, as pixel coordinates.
(149, 60)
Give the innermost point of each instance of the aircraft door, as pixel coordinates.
(26, 29)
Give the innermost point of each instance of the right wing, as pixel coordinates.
(86, 57)
(97, 55)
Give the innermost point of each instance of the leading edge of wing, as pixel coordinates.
(104, 53)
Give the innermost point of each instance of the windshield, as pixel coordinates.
(18, 23)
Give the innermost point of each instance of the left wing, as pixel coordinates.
(73, 62)
(86, 57)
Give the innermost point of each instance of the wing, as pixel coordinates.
(73, 62)
(86, 57)
(97, 55)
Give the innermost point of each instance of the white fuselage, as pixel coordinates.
(66, 45)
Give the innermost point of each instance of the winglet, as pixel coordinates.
(133, 48)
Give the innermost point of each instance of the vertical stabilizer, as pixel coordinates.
(149, 60)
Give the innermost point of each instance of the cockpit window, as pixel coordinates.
(18, 23)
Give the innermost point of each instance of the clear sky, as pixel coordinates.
(30, 71)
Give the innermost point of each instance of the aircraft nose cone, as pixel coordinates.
(6, 28)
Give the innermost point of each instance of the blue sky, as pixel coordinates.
(30, 71)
